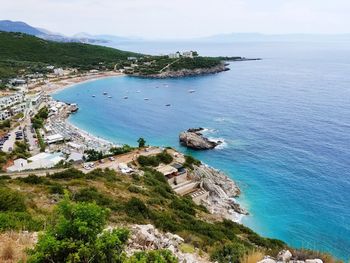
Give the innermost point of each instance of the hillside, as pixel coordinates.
(24, 52)
(28, 203)
(20, 27)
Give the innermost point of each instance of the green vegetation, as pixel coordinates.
(155, 160)
(191, 161)
(142, 142)
(21, 53)
(146, 199)
(93, 155)
(5, 124)
(39, 119)
(13, 211)
(77, 235)
(158, 64)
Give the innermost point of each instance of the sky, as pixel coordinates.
(181, 18)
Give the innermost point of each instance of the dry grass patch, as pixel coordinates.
(253, 257)
(13, 246)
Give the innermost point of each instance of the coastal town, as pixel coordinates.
(139, 198)
(53, 144)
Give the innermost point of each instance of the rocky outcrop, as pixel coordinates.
(147, 237)
(285, 256)
(185, 72)
(194, 139)
(222, 192)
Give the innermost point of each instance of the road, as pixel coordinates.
(9, 144)
(36, 172)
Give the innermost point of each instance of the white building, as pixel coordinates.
(187, 54)
(10, 100)
(5, 114)
(174, 55)
(39, 161)
(18, 108)
(58, 71)
(54, 138)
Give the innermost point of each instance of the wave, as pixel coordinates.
(222, 145)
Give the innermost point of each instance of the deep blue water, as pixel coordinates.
(285, 121)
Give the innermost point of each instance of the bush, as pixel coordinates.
(77, 236)
(190, 161)
(229, 252)
(71, 173)
(18, 221)
(153, 256)
(148, 160)
(136, 209)
(135, 189)
(155, 160)
(32, 179)
(56, 189)
(183, 204)
(91, 194)
(11, 200)
(164, 157)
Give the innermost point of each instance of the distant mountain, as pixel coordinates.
(21, 27)
(248, 37)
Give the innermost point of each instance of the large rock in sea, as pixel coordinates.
(194, 139)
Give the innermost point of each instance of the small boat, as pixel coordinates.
(146, 98)
(191, 91)
(104, 93)
(168, 105)
(138, 91)
(126, 97)
(93, 96)
(109, 96)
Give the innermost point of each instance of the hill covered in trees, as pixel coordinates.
(20, 52)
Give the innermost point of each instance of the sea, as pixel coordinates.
(284, 122)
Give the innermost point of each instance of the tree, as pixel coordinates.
(141, 142)
(77, 236)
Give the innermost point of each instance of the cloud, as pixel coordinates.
(181, 18)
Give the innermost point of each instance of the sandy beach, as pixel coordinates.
(55, 86)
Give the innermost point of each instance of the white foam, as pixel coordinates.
(222, 145)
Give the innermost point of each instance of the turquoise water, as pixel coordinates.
(285, 122)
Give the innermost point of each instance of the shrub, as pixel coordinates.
(18, 221)
(76, 236)
(164, 157)
(32, 179)
(135, 189)
(229, 252)
(91, 194)
(148, 160)
(71, 173)
(136, 209)
(153, 256)
(183, 204)
(11, 200)
(155, 160)
(56, 189)
(190, 161)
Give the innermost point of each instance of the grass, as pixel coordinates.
(187, 248)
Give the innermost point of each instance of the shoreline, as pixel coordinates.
(52, 87)
(223, 200)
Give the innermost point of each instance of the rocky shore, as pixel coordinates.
(185, 72)
(222, 192)
(194, 139)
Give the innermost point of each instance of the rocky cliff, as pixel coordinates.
(194, 139)
(222, 192)
(186, 72)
